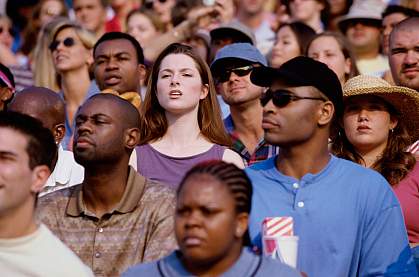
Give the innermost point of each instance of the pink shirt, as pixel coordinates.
(407, 191)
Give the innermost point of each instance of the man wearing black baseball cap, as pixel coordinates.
(347, 219)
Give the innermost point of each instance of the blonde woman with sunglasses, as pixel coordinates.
(70, 46)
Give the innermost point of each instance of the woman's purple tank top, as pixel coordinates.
(170, 170)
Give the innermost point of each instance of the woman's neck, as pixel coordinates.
(75, 85)
(214, 268)
(371, 155)
(182, 129)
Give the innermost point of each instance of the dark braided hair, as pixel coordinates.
(233, 177)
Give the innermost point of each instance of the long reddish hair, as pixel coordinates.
(154, 122)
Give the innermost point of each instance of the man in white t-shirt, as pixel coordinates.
(27, 155)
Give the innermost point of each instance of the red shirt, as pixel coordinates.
(407, 191)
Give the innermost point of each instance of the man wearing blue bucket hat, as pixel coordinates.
(231, 69)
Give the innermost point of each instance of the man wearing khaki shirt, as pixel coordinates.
(115, 218)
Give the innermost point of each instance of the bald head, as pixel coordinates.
(40, 103)
(126, 113)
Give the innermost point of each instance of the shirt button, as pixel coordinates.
(300, 204)
(296, 185)
(100, 230)
(97, 255)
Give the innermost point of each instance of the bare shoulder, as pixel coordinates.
(230, 156)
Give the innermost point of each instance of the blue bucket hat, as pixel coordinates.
(244, 53)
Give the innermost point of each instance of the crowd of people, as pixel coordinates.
(156, 137)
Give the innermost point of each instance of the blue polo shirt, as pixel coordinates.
(347, 218)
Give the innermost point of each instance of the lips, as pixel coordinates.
(410, 72)
(192, 241)
(269, 124)
(175, 93)
(362, 128)
(83, 142)
(112, 79)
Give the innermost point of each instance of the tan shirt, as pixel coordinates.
(140, 229)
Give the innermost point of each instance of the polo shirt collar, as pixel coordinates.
(129, 201)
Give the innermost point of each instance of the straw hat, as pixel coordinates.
(403, 99)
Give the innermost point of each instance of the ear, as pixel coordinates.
(242, 221)
(348, 65)
(204, 92)
(132, 137)
(142, 72)
(325, 113)
(320, 6)
(393, 122)
(59, 132)
(40, 175)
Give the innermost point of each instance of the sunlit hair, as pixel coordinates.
(344, 46)
(231, 176)
(152, 16)
(209, 115)
(87, 38)
(395, 162)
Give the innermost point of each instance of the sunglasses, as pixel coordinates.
(282, 97)
(239, 71)
(10, 30)
(68, 42)
(149, 4)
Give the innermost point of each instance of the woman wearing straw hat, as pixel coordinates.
(379, 123)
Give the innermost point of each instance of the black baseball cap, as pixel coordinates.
(303, 71)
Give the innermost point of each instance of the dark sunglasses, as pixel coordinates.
(149, 4)
(283, 97)
(239, 71)
(68, 42)
(10, 30)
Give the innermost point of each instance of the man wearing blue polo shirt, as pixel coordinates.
(347, 218)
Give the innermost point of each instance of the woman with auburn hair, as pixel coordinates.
(214, 200)
(333, 49)
(379, 123)
(181, 118)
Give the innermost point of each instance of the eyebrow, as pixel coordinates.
(7, 153)
(182, 69)
(106, 56)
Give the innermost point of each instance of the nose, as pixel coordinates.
(111, 64)
(269, 107)
(193, 220)
(83, 127)
(174, 80)
(363, 115)
(412, 57)
(233, 76)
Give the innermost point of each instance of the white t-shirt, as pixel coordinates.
(40, 254)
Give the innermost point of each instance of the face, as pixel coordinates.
(279, 122)
(326, 49)
(141, 27)
(286, 47)
(49, 10)
(6, 37)
(179, 84)
(18, 182)
(5, 94)
(239, 89)
(99, 132)
(163, 9)
(388, 24)
(404, 58)
(205, 209)
(305, 10)
(116, 66)
(363, 37)
(251, 6)
(90, 13)
(71, 57)
(337, 7)
(367, 122)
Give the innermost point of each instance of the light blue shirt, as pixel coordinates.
(347, 218)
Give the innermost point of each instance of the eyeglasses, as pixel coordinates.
(10, 30)
(149, 4)
(68, 42)
(239, 71)
(283, 97)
